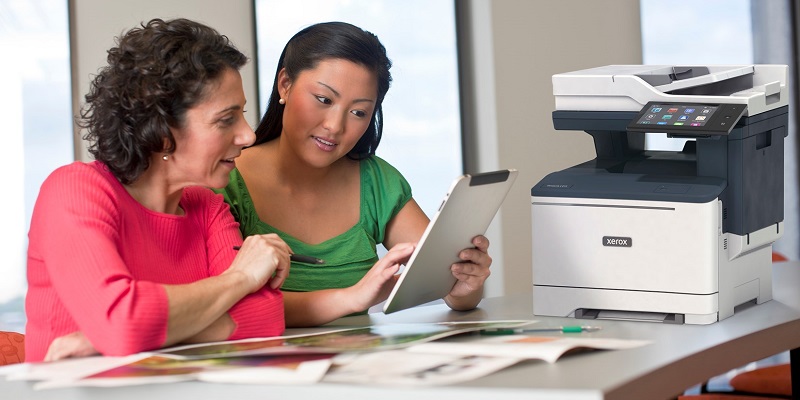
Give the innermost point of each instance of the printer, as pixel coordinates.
(673, 236)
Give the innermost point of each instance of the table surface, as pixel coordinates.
(679, 357)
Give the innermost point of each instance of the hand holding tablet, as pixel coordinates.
(466, 212)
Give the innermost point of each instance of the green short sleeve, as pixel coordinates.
(384, 191)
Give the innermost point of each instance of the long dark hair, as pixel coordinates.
(331, 40)
(155, 74)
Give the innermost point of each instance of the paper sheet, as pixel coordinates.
(403, 368)
(547, 348)
(283, 369)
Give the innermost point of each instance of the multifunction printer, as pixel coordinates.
(674, 236)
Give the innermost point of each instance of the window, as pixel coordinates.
(691, 32)
(35, 107)
(422, 131)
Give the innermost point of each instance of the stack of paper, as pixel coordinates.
(390, 354)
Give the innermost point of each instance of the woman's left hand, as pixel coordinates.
(470, 275)
(74, 344)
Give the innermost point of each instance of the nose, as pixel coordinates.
(334, 120)
(245, 136)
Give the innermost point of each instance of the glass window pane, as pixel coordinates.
(422, 130)
(696, 32)
(692, 32)
(35, 107)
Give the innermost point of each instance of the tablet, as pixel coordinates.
(466, 211)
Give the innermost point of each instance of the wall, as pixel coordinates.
(95, 24)
(531, 41)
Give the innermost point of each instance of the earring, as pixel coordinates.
(281, 101)
(165, 157)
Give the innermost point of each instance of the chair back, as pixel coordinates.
(12, 348)
(778, 257)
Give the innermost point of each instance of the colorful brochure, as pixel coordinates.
(370, 338)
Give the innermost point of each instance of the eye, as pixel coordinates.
(230, 119)
(359, 113)
(323, 99)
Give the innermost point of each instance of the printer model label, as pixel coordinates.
(617, 241)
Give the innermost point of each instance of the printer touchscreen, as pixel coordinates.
(688, 119)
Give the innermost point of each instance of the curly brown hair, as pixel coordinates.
(156, 73)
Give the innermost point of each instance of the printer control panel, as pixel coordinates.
(687, 119)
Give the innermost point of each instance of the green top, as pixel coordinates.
(348, 256)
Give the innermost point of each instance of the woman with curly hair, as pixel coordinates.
(133, 252)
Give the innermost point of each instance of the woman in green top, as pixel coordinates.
(313, 178)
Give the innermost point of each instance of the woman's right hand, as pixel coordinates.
(376, 285)
(262, 259)
(75, 344)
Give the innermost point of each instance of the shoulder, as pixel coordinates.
(379, 169)
(81, 178)
(383, 184)
(79, 189)
(79, 170)
(203, 199)
(384, 191)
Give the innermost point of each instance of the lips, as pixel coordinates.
(230, 160)
(324, 144)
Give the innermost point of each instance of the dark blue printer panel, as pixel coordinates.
(585, 181)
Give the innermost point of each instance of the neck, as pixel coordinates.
(290, 168)
(153, 191)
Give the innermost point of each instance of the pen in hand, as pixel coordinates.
(562, 329)
(298, 258)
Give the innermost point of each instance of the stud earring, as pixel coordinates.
(165, 157)
(281, 101)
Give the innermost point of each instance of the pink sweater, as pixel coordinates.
(97, 260)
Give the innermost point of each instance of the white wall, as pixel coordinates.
(95, 24)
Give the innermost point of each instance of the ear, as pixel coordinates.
(284, 83)
(165, 140)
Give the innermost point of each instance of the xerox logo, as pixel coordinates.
(616, 241)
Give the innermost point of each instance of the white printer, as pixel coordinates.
(670, 236)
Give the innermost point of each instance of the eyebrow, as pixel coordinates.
(230, 108)
(339, 95)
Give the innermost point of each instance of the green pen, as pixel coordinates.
(562, 329)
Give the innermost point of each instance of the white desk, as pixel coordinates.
(679, 357)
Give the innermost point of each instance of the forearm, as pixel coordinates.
(198, 310)
(304, 309)
(218, 330)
